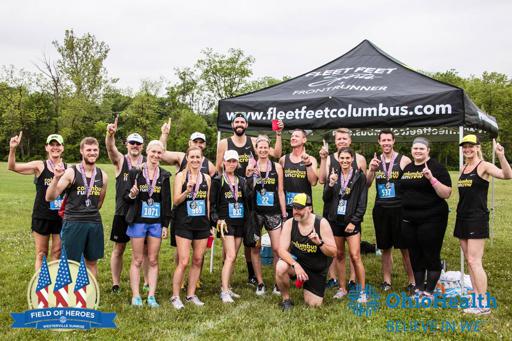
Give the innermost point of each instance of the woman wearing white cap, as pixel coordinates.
(45, 219)
(228, 207)
(472, 224)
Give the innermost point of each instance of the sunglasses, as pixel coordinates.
(134, 143)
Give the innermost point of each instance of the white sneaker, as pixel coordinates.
(477, 311)
(176, 303)
(226, 297)
(340, 294)
(232, 294)
(260, 289)
(194, 299)
(276, 291)
(362, 298)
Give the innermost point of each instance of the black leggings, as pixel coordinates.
(424, 240)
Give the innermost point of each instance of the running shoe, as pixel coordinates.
(252, 281)
(286, 305)
(410, 288)
(340, 294)
(145, 288)
(260, 290)
(385, 286)
(194, 299)
(351, 285)
(137, 301)
(232, 294)
(176, 303)
(276, 290)
(332, 283)
(477, 311)
(362, 298)
(152, 303)
(225, 297)
(115, 289)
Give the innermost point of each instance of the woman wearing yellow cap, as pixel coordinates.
(472, 224)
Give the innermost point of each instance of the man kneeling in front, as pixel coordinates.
(306, 249)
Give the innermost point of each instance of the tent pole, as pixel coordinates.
(491, 227)
(461, 163)
(212, 250)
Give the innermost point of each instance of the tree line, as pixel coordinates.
(75, 96)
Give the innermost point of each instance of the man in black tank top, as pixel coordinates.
(299, 169)
(122, 164)
(178, 159)
(245, 147)
(85, 186)
(387, 212)
(306, 249)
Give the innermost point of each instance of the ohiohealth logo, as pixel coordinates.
(368, 308)
(54, 306)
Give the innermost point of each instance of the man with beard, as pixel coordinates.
(328, 164)
(245, 147)
(306, 249)
(122, 164)
(299, 169)
(387, 212)
(85, 186)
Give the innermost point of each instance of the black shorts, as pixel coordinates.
(270, 222)
(46, 227)
(192, 234)
(317, 281)
(388, 227)
(471, 229)
(338, 229)
(119, 227)
(234, 230)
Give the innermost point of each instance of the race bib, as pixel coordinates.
(196, 208)
(342, 207)
(266, 199)
(236, 211)
(289, 198)
(386, 192)
(56, 204)
(150, 211)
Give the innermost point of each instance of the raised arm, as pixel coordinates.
(505, 172)
(277, 151)
(33, 167)
(311, 167)
(324, 158)
(374, 166)
(113, 154)
(166, 128)
(61, 180)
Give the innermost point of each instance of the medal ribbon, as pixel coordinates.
(199, 180)
(269, 168)
(139, 162)
(151, 183)
(88, 186)
(388, 172)
(232, 187)
(344, 183)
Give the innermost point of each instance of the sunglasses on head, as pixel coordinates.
(134, 143)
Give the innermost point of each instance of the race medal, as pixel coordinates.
(236, 210)
(196, 208)
(289, 198)
(263, 191)
(342, 207)
(151, 211)
(150, 201)
(56, 204)
(347, 190)
(385, 192)
(88, 186)
(266, 199)
(87, 202)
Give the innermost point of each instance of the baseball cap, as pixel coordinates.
(197, 135)
(472, 139)
(135, 138)
(301, 200)
(54, 137)
(239, 114)
(230, 155)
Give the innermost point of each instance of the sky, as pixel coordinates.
(148, 40)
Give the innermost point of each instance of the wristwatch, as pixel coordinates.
(321, 243)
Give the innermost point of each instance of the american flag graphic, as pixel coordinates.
(43, 282)
(81, 283)
(60, 290)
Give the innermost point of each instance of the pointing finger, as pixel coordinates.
(116, 119)
(20, 135)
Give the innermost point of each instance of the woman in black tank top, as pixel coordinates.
(45, 220)
(191, 198)
(472, 224)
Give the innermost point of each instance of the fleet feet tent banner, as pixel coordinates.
(364, 88)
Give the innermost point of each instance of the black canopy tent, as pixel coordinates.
(366, 89)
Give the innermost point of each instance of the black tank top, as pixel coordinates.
(295, 179)
(389, 195)
(205, 166)
(334, 164)
(42, 208)
(244, 154)
(472, 196)
(308, 254)
(226, 199)
(144, 196)
(193, 214)
(76, 208)
(121, 186)
(267, 187)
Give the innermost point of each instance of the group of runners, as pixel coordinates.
(252, 183)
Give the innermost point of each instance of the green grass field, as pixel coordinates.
(251, 317)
